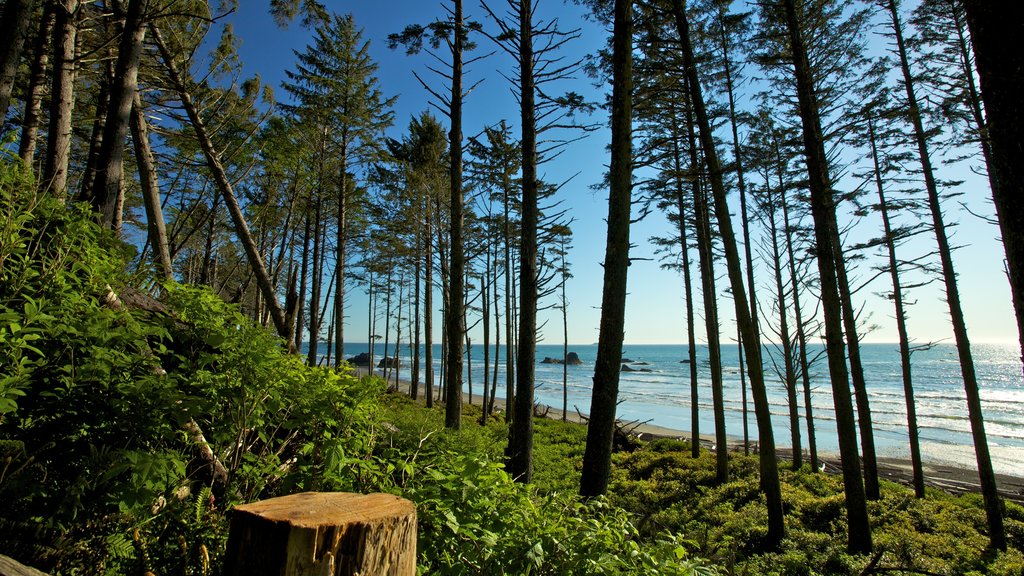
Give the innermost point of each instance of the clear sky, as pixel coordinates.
(655, 306)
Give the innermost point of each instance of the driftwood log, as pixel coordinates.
(323, 533)
(11, 567)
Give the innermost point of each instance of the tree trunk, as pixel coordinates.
(315, 533)
(414, 385)
(801, 330)
(62, 99)
(860, 391)
(17, 14)
(989, 489)
(224, 184)
(150, 191)
(428, 309)
(691, 339)
(485, 316)
(712, 326)
(315, 319)
(768, 459)
(520, 464)
(339, 263)
(455, 320)
(1001, 76)
(784, 335)
(601, 427)
(901, 321)
(823, 211)
(37, 86)
(300, 314)
(110, 162)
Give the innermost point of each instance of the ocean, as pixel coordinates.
(662, 396)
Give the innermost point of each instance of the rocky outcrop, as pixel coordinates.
(362, 359)
(572, 359)
(388, 362)
(628, 368)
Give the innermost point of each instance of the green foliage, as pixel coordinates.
(474, 519)
(670, 490)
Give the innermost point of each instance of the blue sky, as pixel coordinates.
(655, 306)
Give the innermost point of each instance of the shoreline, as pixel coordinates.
(948, 478)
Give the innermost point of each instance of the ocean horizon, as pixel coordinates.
(658, 393)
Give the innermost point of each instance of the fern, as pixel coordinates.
(120, 547)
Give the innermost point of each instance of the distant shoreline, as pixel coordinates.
(948, 478)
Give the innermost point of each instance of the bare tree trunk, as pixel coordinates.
(712, 325)
(110, 161)
(784, 334)
(497, 334)
(989, 488)
(62, 98)
(823, 211)
(303, 276)
(768, 459)
(414, 385)
(485, 316)
(37, 86)
(455, 320)
(801, 331)
(691, 339)
(339, 262)
(901, 322)
(520, 462)
(1001, 77)
(17, 14)
(428, 309)
(860, 392)
(224, 184)
(601, 427)
(315, 319)
(150, 191)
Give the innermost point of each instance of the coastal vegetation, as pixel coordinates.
(175, 245)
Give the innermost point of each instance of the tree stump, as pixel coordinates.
(323, 534)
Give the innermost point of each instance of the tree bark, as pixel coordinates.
(989, 488)
(37, 86)
(339, 261)
(312, 355)
(823, 211)
(901, 321)
(455, 321)
(62, 98)
(110, 163)
(150, 191)
(752, 350)
(712, 325)
(520, 462)
(601, 427)
(784, 334)
(860, 391)
(691, 339)
(1001, 78)
(13, 29)
(798, 318)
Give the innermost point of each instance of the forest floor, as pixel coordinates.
(948, 478)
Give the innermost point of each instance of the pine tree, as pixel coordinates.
(335, 89)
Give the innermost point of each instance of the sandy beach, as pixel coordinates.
(952, 479)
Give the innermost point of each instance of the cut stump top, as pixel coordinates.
(314, 509)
